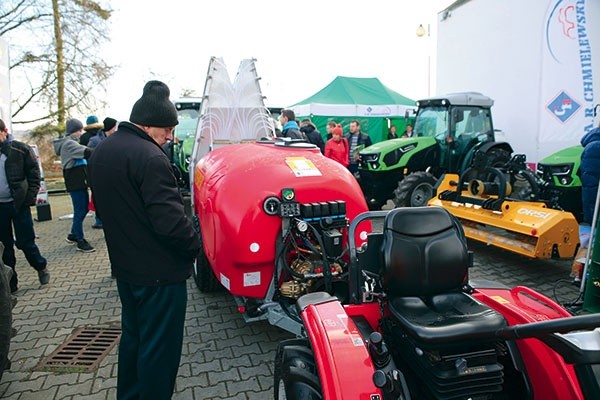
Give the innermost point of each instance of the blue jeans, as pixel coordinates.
(81, 203)
(152, 321)
(25, 238)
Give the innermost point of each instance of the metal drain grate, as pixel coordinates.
(82, 351)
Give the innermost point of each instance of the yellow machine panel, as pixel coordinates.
(527, 228)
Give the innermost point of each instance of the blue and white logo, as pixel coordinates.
(563, 107)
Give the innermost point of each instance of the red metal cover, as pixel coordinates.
(230, 186)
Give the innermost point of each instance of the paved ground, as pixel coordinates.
(223, 358)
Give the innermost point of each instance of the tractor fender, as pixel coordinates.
(338, 348)
(485, 147)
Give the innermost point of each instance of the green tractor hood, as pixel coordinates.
(393, 154)
(562, 167)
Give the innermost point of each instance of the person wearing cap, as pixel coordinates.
(110, 126)
(151, 243)
(337, 147)
(92, 128)
(19, 185)
(73, 157)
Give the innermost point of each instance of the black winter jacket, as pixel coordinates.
(314, 137)
(150, 239)
(22, 173)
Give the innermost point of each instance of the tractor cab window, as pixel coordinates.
(473, 122)
(432, 122)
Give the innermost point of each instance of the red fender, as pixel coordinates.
(345, 367)
(549, 375)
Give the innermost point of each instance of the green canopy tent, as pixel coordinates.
(367, 100)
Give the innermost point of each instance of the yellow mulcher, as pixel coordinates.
(489, 215)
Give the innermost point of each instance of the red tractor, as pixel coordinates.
(412, 326)
(273, 218)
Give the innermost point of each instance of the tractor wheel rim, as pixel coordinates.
(281, 391)
(421, 195)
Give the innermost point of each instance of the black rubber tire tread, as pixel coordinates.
(204, 276)
(296, 368)
(404, 191)
(6, 305)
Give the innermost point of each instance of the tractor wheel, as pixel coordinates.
(6, 305)
(415, 190)
(497, 157)
(203, 274)
(296, 374)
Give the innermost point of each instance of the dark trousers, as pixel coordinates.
(152, 321)
(25, 238)
(81, 203)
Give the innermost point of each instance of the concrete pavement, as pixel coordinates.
(223, 357)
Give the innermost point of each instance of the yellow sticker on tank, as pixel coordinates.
(500, 299)
(302, 167)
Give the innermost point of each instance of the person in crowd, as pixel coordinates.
(590, 176)
(289, 125)
(19, 185)
(313, 134)
(408, 132)
(92, 128)
(336, 148)
(110, 126)
(392, 133)
(151, 243)
(73, 157)
(590, 172)
(357, 140)
(329, 129)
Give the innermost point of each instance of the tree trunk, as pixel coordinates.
(60, 67)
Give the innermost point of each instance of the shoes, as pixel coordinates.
(97, 226)
(84, 246)
(71, 238)
(44, 276)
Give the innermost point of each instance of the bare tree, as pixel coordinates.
(54, 56)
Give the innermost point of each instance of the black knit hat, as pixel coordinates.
(109, 123)
(154, 107)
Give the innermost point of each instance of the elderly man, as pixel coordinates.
(151, 243)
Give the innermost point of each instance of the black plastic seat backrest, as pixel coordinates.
(424, 252)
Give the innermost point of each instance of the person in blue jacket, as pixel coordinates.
(590, 172)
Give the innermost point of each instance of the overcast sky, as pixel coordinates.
(300, 46)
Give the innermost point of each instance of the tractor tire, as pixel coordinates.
(296, 374)
(415, 190)
(6, 305)
(204, 276)
(496, 157)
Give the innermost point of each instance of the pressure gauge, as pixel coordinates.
(271, 205)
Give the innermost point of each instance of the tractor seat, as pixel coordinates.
(425, 262)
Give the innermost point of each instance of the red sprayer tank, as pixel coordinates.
(231, 185)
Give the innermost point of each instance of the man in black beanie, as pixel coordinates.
(151, 243)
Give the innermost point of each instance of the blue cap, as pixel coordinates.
(92, 119)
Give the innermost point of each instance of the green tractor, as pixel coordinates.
(561, 180)
(448, 131)
(180, 149)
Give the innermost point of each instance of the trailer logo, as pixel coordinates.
(563, 107)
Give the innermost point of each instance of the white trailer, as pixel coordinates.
(534, 58)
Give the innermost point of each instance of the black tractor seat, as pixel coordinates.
(425, 262)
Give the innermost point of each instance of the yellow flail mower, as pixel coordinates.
(490, 214)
